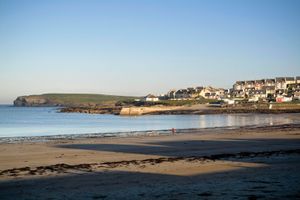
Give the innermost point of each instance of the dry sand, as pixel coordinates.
(245, 163)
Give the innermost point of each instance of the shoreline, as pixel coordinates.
(200, 109)
(133, 134)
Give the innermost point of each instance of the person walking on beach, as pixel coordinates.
(173, 131)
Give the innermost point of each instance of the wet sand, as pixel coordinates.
(244, 163)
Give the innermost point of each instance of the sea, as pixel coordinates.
(48, 121)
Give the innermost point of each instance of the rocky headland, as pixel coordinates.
(71, 100)
(33, 101)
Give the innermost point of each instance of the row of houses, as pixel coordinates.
(196, 93)
(189, 94)
(254, 90)
(267, 88)
(280, 83)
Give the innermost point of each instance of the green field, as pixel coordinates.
(185, 102)
(287, 105)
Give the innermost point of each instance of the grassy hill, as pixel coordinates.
(70, 100)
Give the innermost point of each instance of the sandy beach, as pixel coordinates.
(243, 163)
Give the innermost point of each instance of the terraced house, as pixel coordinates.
(267, 88)
(253, 90)
(195, 93)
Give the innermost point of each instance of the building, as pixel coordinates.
(239, 85)
(259, 94)
(270, 90)
(281, 99)
(290, 80)
(280, 83)
(151, 98)
(171, 94)
(248, 91)
(208, 93)
(270, 82)
(193, 92)
(182, 94)
(297, 95)
(249, 84)
(200, 88)
(228, 93)
(259, 84)
(238, 94)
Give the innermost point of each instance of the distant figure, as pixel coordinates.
(173, 131)
(270, 106)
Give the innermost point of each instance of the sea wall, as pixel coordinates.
(204, 109)
(146, 110)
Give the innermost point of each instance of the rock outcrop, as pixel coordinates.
(32, 101)
(92, 110)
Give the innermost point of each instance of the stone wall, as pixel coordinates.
(146, 110)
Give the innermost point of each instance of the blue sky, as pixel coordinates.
(137, 47)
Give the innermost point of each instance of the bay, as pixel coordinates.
(47, 121)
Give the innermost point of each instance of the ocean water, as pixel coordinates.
(47, 121)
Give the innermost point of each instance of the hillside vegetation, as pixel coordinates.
(70, 100)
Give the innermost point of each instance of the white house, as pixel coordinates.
(151, 98)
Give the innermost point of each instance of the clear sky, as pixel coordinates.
(143, 46)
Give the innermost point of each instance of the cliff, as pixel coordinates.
(33, 101)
